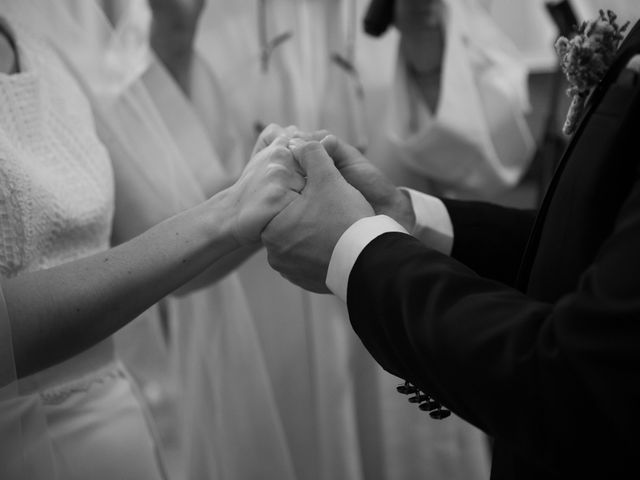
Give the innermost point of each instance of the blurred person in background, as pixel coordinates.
(106, 209)
(309, 64)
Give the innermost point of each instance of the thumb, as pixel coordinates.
(340, 151)
(267, 136)
(314, 161)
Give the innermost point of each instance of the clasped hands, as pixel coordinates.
(300, 192)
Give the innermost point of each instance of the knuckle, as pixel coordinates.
(272, 127)
(270, 131)
(281, 151)
(280, 179)
(273, 173)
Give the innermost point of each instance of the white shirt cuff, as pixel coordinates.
(433, 223)
(349, 247)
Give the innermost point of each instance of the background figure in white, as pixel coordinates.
(308, 63)
(529, 25)
(471, 139)
(64, 195)
(201, 367)
(627, 10)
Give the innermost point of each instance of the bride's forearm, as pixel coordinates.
(59, 312)
(218, 270)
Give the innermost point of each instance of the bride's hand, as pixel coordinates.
(270, 181)
(269, 134)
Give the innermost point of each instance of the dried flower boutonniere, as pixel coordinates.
(585, 58)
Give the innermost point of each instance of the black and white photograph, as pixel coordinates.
(319, 239)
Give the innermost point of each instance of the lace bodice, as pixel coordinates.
(56, 182)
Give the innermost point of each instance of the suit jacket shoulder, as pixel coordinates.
(551, 371)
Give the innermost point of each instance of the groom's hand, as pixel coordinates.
(384, 196)
(300, 239)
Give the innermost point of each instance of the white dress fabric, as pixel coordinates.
(307, 63)
(203, 387)
(57, 201)
(476, 144)
(202, 374)
(307, 343)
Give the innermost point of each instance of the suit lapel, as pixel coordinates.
(627, 49)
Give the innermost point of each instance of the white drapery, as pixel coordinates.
(207, 386)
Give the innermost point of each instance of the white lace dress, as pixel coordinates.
(56, 205)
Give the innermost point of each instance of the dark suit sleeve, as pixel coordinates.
(489, 239)
(540, 377)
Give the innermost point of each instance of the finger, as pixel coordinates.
(341, 152)
(297, 182)
(287, 178)
(302, 135)
(296, 142)
(270, 132)
(280, 141)
(292, 175)
(283, 157)
(267, 136)
(314, 160)
(320, 134)
(309, 136)
(291, 130)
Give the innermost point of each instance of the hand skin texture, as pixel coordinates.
(269, 182)
(58, 312)
(301, 238)
(377, 189)
(273, 130)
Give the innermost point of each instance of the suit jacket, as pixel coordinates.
(531, 329)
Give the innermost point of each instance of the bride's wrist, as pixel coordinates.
(219, 214)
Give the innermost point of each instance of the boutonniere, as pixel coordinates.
(585, 58)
